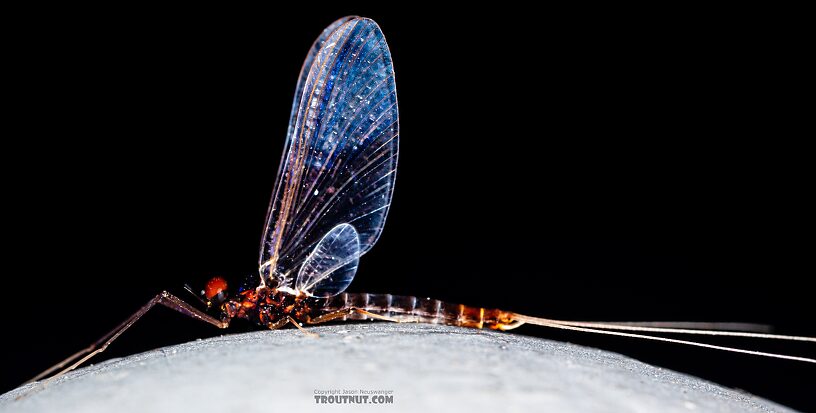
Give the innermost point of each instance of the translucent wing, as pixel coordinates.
(341, 155)
(304, 73)
(329, 269)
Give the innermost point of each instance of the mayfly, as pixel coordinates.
(328, 208)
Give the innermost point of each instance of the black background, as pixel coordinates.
(579, 164)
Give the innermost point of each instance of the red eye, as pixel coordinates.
(215, 286)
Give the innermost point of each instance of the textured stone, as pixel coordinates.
(427, 367)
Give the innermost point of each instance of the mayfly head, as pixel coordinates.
(215, 291)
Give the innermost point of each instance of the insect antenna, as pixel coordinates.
(197, 297)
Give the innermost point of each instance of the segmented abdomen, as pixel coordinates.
(420, 310)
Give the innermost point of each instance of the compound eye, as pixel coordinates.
(216, 288)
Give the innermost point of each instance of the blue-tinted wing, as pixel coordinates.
(304, 73)
(341, 156)
(329, 269)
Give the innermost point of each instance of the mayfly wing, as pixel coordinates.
(304, 73)
(341, 158)
(307, 65)
(329, 269)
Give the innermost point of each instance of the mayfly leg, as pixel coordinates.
(164, 298)
(299, 327)
(347, 311)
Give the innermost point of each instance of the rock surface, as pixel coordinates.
(425, 367)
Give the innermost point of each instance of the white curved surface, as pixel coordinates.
(428, 368)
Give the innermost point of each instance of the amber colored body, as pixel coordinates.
(271, 308)
(267, 306)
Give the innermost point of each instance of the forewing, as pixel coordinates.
(329, 269)
(304, 73)
(341, 158)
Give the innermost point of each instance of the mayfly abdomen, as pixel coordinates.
(406, 308)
